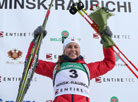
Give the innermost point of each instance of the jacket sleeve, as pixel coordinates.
(44, 68)
(29, 50)
(101, 67)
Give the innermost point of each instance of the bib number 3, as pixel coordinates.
(74, 73)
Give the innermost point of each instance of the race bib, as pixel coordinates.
(71, 79)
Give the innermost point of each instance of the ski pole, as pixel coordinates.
(127, 65)
(47, 14)
(79, 8)
(114, 44)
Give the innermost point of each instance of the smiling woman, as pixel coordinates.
(71, 48)
(71, 75)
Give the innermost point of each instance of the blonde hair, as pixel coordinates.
(60, 61)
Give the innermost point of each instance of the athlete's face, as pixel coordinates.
(72, 50)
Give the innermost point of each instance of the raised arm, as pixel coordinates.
(102, 67)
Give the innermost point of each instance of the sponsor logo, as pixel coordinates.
(64, 34)
(113, 6)
(121, 37)
(72, 83)
(18, 34)
(114, 80)
(70, 89)
(96, 36)
(114, 99)
(98, 79)
(1, 33)
(120, 65)
(14, 79)
(15, 101)
(56, 39)
(14, 54)
(15, 34)
(50, 56)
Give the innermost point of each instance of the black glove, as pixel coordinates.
(39, 30)
(106, 38)
(107, 32)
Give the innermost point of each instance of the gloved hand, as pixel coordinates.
(39, 30)
(100, 17)
(106, 38)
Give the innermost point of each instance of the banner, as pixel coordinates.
(18, 20)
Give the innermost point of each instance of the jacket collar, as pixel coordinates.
(79, 59)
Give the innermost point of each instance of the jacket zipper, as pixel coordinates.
(56, 99)
(72, 98)
(87, 99)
